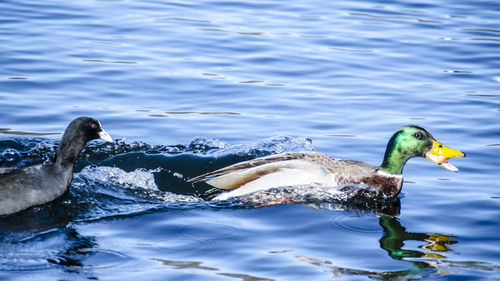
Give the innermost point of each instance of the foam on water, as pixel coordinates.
(109, 191)
(140, 178)
(271, 145)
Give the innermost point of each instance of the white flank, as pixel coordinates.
(287, 173)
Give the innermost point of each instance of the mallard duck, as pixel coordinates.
(21, 188)
(298, 168)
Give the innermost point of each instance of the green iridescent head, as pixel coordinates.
(414, 141)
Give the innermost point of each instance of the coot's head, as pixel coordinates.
(90, 128)
(77, 134)
(86, 129)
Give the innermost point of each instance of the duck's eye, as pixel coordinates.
(417, 135)
(94, 126)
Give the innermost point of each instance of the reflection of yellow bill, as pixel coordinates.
(440, 155)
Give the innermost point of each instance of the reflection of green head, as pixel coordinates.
(407, 142)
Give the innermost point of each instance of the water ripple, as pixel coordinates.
(189, 87)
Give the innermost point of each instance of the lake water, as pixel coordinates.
(190, 86)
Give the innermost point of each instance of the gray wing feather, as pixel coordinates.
(332, 164)
(249, 164)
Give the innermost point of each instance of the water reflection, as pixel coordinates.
(82, 254)
(9, 131)
(395, 235)
(198, 265)
(185, 264)
(35, 221)
(57, 247)
(393, 240)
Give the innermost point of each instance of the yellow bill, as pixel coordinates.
(440, 155)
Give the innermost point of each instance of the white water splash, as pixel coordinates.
(140, 181)
(272, 145)
(140, 178)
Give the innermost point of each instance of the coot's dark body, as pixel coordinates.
(21, 188)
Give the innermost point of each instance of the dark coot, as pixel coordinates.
(21, 188)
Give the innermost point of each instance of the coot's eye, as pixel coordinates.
(94, 126)
(417, 135)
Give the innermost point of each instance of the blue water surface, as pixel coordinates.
(186, 87)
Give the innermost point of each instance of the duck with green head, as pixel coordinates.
(298, 168)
